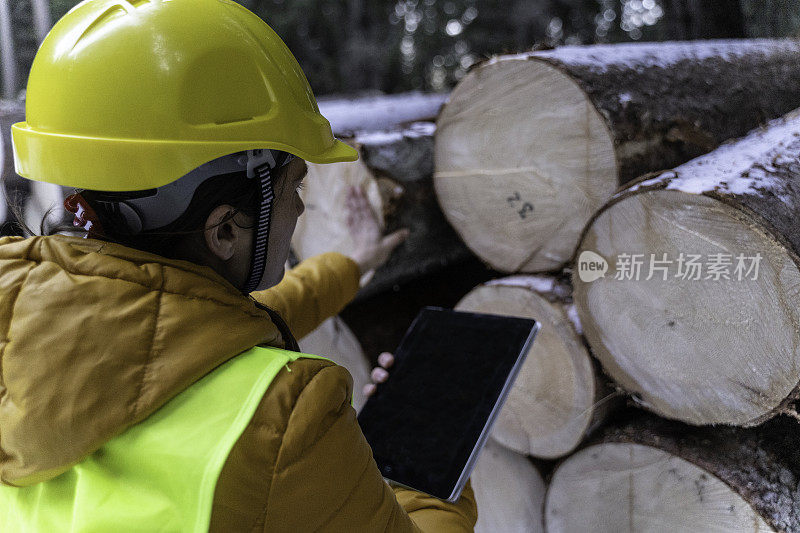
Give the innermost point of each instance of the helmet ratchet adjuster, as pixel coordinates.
(85, 216)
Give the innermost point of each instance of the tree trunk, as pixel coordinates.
(334, 340)
(558, 396)
(14, 187)
(701, 319)
(41, 18)
(11, 111)
(703, 19)
(529, 146)
(8, 57)
(771, 18)
(648, 474)
(509, 492)
(395, 169)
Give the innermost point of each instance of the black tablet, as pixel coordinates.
(453, 370)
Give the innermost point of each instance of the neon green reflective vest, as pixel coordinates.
(160, 474)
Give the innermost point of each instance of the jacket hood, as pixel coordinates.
(98, 336)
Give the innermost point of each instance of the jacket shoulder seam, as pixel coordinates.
(263, 516)
(147, 363)
(4, 392)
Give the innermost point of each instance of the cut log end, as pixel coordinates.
(551, 405)
(509, 492)
(334, 340)
(614, 487)
(323, 226)
(693, 345)
(519, 222)
(395, 168)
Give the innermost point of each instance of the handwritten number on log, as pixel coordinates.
(515, 201)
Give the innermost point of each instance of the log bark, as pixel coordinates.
(529, 146)
(701, 317)
(395, 169)
(509, 492)
(381, 320)
(334, 340)
(559, 396)
(649, 474)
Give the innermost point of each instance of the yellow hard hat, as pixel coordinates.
(132, 95)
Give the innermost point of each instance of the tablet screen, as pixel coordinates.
(424, 422)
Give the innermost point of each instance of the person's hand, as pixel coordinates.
(371, 248)
(379, 373)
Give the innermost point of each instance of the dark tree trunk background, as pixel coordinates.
(771, 18)
(348, 46)
(703, 19)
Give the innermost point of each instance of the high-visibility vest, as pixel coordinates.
(160, 474)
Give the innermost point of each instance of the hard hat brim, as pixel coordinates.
(340, 152)
(140, 164)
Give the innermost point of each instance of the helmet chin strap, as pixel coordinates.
(261, 165)
(258, 259)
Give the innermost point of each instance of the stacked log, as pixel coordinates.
(537, 197)
(649, 474)
(558, 397)
(636, 108)
(395, 168)
(334, 340)
(707, 331)
(509, 492)
(379, 112)
(530, 145)
(703, 347)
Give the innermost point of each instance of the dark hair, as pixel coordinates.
(234, 189)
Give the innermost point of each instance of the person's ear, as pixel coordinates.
(222, 235)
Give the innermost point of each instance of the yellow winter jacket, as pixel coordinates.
(99, 336)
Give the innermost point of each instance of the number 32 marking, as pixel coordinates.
(523, 208)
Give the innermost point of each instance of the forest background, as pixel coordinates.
(389, 46)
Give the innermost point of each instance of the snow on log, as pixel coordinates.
(698, 314)
(349, 116)
(649, 474)
(395, 168)
(529, 146)
(509, 492)
(558, 396)
(334, 340)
